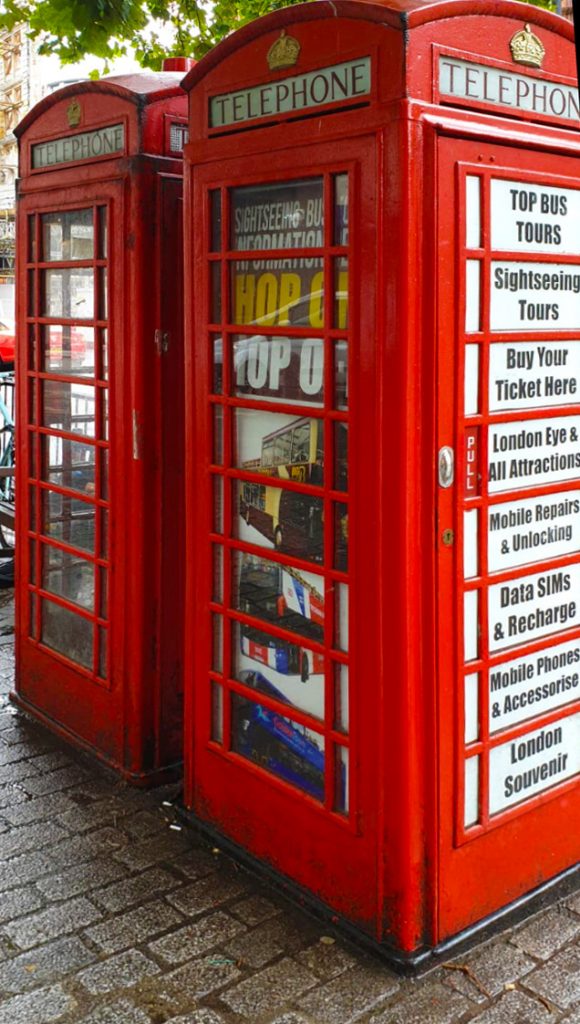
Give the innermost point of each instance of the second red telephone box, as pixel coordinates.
(100, 407)
(383, 423)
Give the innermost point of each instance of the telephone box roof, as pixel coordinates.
(397, 14)
(139, 88)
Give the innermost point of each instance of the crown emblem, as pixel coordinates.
(74, 114)
(527, 48)
(283, 53)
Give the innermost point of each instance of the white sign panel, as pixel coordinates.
(533, 685)
(534, 374)
(534, 218)
(463, 79)
(533, 763)
(530, 607)
(108, 141)
(318, 88)
(526, 453)
(534, 297)
(533, 529)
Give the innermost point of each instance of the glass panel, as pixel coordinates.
(218, 574)
(103, 336)
(32, 626)
(32, 508)
(217, 643)
(217, 713)
(279, 215)
(68, 293)
(288, 750)
(32, 405)
(32, 348)
(285, 671)
(215, 200)
(471, 704)
(341, 779)
(103, 232)
(263, 293)
(103, 652)
(340, 316)
(470, 551)
(69, 407)
(32, 555)
(218, 367)
(341, 616)
(279, 369)
(104, 426)
(67, 235)
(341, 456)
(472, 212)
(340, 234)
(68, 576)
(104, 552)
(471, 380)
(218, 435)
(32, 239)
(68, 350)
(69, 464)
(31, 282)
(104, 474)
(472, 296)
(68, 520)
(103, 610)
(470, 625)
(289, 521)
(471, 807)
(341, 697)
(218, 504)
(279, 445)
(216, 292)
(341, 375)
(103, 303)
(278, 594)
(67, 633)
(341, 536)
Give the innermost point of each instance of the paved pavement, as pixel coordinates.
(108, 915)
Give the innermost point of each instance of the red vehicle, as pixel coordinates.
(7, 345)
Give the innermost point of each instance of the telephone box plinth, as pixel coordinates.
(383, 457)
(99, 500)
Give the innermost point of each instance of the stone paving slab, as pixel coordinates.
(109, 916)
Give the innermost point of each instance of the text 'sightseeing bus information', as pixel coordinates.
(284, 320)
(521, 492)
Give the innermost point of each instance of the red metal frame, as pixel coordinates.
(132, 718)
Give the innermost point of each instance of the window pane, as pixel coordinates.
(285, 671)
(69, 464)
(264, 294)
(69, 576)
(279, 369)
(103, 232)
(280, 215)
(69, 407)
(69, 520)
(68, 293)
(289, 521)
(341, 293)
(340, 236)
(69, 634)
(275, 444)
(288, 750)
(67, 235)
(278, 594)
(68, 350)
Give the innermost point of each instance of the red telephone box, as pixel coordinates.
(100, 400)
(383, 457)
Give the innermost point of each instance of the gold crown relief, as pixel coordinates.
(283, 53)
(74, 114)
(527, 48)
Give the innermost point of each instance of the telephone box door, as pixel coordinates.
(285, 681)
(509, 574)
